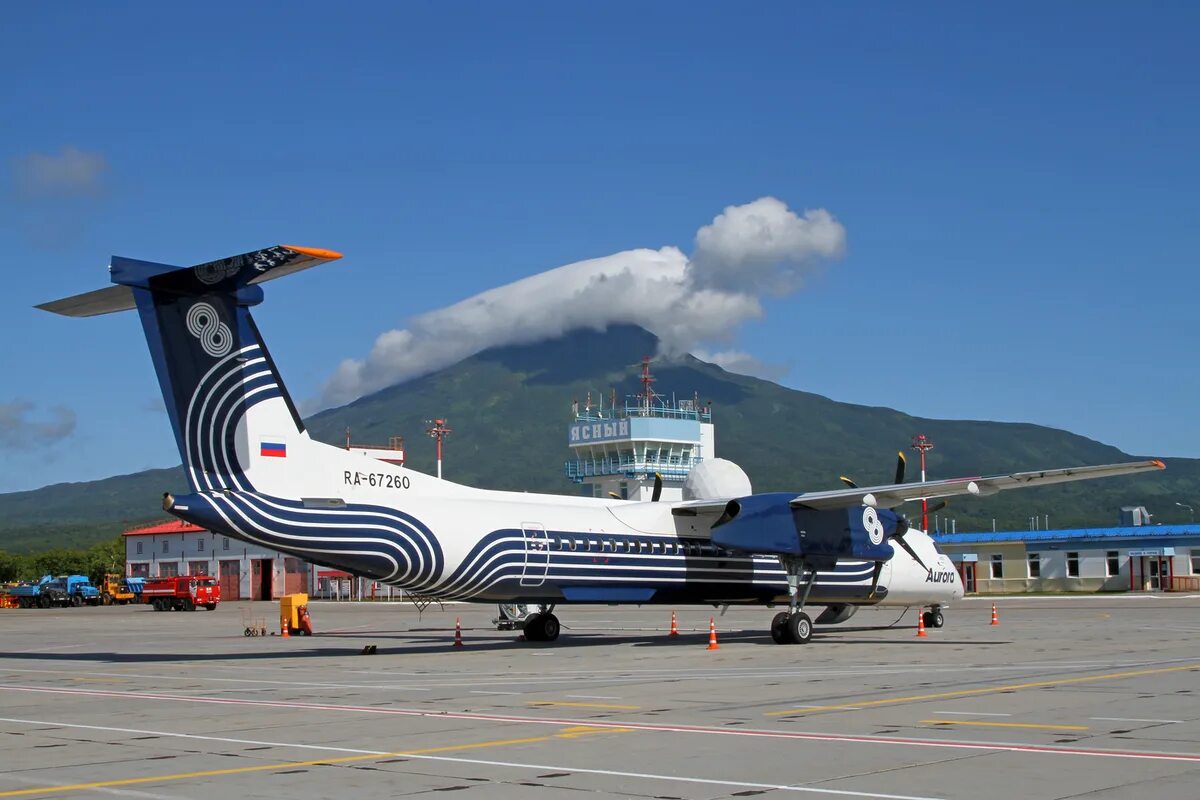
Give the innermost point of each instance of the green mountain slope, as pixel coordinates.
(509, 408)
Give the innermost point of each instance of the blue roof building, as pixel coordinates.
(1130, 558)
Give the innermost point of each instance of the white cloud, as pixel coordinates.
(69, 173)
(742, 363)
(21, 430)
(746, 251)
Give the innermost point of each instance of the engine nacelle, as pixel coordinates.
(767, 524)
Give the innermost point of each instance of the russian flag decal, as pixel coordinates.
(273, 449)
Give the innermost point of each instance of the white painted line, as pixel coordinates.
(973, 713)
(812, 736)
(481, 691)
(1131, 719)
(480, 762)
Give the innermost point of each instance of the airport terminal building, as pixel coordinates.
(1154, 558)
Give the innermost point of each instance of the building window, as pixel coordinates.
(168, 569)
(139, 570)
(1035, 565)
(166, 546)
(225, 543)
(1112, 563)
(200, 545)
(1196, 562)
(1072, 565)
(997, 566)
(139, 548)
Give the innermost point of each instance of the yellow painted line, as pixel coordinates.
(1012, 687)
(99, 680)
(182, 776)
(582, 705)
(1004, 724)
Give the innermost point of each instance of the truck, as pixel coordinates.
(28, 595)
(119, 590)
(65, 590)
(182, 592)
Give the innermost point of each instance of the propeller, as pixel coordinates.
(902, 527)
(901, 462)
(654, 498)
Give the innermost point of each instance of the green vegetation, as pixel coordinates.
(95, 561)
(509, 408)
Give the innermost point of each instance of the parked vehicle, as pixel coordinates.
(65, 590)
(182, 592)
(120, 590)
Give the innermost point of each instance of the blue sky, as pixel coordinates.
(1016, 185)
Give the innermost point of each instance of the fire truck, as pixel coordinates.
(182, 592)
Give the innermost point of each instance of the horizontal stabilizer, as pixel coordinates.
(223, 275)
(91, 304)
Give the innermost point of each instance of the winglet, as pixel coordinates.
(315, 252)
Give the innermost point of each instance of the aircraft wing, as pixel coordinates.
(894, 494)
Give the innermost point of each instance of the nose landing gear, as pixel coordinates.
(934, 618)
(794, 626)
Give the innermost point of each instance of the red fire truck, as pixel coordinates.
(182, 592)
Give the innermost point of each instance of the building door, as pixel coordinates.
(968, 577)
(261, 579)
(231, 580)
(1152, 573)
(293, 575)
(537, 554)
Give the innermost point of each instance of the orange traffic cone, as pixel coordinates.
(458, 632)
(283, 627)
(674, 627)
(712, 634)
(921, 626)
(995, 619)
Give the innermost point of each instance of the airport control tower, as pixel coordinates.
(617, 450)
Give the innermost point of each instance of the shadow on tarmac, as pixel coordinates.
(406, 643)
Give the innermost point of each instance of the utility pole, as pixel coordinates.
(923, 444)
(439, 431)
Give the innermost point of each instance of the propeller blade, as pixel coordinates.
(848, 482)
(908, 547)
(901, 462)
(657, 488)
(937, 506)
(875, 577)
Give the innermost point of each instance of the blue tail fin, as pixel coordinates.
(226, 401)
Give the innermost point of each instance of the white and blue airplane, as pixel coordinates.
(256, 475)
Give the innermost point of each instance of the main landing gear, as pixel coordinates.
(794, 626)
(933, 617)
(538, 621)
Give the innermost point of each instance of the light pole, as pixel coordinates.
(923, 444)
(1191, 512)
(439, 431)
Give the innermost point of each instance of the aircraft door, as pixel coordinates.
(537, 554)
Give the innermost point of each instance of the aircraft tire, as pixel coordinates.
(533, 628)
(550, 628)
(800, 628)
(779, 629)
(934, 619)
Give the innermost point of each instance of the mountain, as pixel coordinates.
(509, 407)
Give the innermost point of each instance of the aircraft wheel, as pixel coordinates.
(934, 619)
(550, 628)
(779, 629)
(800, 628)
(533, 628)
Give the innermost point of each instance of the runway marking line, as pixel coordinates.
(567, 733)
(481, 762)
(582, 705)
(653, 727)
(1012, 687)
(1003, 724)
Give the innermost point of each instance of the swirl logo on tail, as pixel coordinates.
(214, 335)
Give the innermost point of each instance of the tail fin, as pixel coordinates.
(226, 401)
